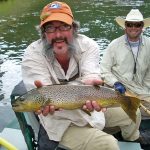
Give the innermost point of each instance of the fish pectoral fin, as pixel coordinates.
(87, 112)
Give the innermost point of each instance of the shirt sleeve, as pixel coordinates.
(146, 80)
(90, 57)
(34, 67)
(106, 66)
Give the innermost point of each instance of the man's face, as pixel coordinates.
(59, 35)
(133, 30)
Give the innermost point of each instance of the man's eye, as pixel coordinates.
(51, 27)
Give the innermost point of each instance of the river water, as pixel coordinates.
(18, 19)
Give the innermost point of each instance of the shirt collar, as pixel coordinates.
(141, 40)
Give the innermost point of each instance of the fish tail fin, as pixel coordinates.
(130, 106)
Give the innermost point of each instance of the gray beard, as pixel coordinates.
(48, 48)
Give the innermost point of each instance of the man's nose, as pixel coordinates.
(57, 32)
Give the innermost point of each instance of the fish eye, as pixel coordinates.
(21, 99)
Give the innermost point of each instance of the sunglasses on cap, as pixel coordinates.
(134, 24)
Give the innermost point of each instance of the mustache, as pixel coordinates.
(59, 39)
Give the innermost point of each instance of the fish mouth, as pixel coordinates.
(15, 105)
(16, 108)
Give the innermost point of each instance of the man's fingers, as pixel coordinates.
(93, 82)
(89, 105)
(46, 110)
(97, 82)
(93, 105)
(52, 109)
(38, 83)
(38, 112)
(96, 106)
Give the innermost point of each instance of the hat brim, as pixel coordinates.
(146, 22)
(121, 22)
(58, 17)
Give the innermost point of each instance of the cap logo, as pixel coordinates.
(52, 6)
(55, 6)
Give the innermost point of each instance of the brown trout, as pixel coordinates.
(74, 97)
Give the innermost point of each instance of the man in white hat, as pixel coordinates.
(126, 63)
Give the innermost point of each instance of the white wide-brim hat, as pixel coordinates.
(135, 16)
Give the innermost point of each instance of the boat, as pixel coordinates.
(11, 137)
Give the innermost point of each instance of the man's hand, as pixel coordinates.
(38, 83)
(92, 105)
(93, 81)
(47, 109)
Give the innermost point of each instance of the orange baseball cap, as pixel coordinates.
(56, 11)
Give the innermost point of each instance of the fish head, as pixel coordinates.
(27, 102)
